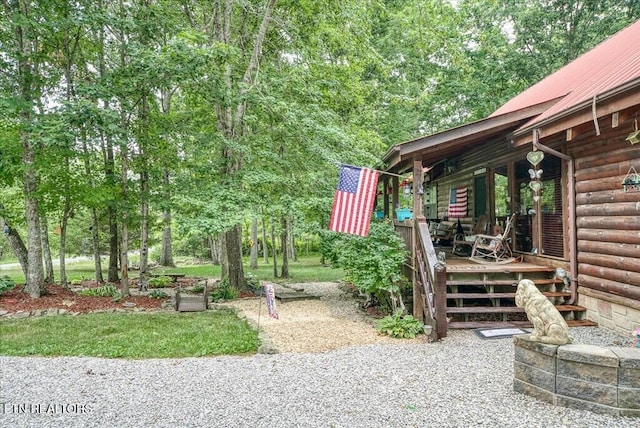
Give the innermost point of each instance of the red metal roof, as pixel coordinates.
(609, 65)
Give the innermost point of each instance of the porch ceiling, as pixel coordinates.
(436, 147)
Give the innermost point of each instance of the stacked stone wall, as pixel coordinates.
(603, 380)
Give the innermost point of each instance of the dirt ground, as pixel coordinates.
(331, 322)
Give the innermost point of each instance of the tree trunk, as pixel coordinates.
(46, 251)
(166, 257)
(275, 252)
(285, 243)
(66, 212)
(144, 227)
(253, 260)
(214, 249)
(292, 241)
(17, 245)
(95, 237)
(234, 257)
(124, 238)
(265, 245)
(224, 260)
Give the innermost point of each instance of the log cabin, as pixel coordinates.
(563, 156)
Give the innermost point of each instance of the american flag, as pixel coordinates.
(353, 200)
(458, 203)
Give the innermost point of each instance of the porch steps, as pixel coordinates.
(503, 324)
(486, 298)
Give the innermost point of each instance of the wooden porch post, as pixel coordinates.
(385, 196)
(418, 206)
(395, 199)
(440, 274)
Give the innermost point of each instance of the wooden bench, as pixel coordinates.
(192, 303)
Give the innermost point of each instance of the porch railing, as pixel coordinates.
(430, 280)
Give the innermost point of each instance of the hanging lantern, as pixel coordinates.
(631, 182)
(634, 137)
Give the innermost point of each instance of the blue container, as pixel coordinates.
(403, 214)
(379, 214)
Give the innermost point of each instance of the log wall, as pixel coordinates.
(607, 217)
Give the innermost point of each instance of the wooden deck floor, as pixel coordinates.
(458, 264)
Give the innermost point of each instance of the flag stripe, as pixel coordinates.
(353, 200)
(458, 202)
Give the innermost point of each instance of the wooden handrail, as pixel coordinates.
(432, 276)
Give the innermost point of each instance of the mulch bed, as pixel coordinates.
(58, 297)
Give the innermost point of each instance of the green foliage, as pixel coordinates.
(373, 264)
(6, 284)
(107, 290)
(157, 294)
(133, 335)
(198, 288)
(159, 281)
(399, 326)
(224, 291)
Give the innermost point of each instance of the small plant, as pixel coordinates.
(157, 294)
(198, 288)
(76, 282)
(399, 326)
(159, 281)
(252, 281)
(224, 291)
(6, 284)
(107, 290)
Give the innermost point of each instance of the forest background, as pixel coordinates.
(215, 129)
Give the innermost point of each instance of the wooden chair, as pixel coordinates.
(460, 241)
(494, 247)
(444, 231)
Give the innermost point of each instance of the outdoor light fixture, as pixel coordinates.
(634, 137)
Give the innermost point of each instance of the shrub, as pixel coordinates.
(157, 294)
(198, 288)
(159, 281)
(6, 284)
(399, 326)
(374, 263)
(224, 291)
(107, 290)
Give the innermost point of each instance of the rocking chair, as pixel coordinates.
(494, 247)
(460, 241)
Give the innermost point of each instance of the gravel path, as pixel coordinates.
(460, 381)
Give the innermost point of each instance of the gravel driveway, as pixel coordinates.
(460, 381)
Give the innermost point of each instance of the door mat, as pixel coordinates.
(498, 333)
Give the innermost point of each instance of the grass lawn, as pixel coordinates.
(306, 269)
(138, 335)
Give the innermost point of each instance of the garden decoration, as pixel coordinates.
(631, 182)
(636, 342)
(534, 158)
(548, 324)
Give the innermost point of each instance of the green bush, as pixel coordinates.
(107, 290)
(159, 281)
(157, 294)
(399, 326)
(6, 284)
(224, 291)
(198, 288)
(374, 263)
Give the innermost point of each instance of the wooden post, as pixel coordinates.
(385, 196)
(418, 206)
(395, 197)
(441, 299)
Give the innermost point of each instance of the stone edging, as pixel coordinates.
(586, 377)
